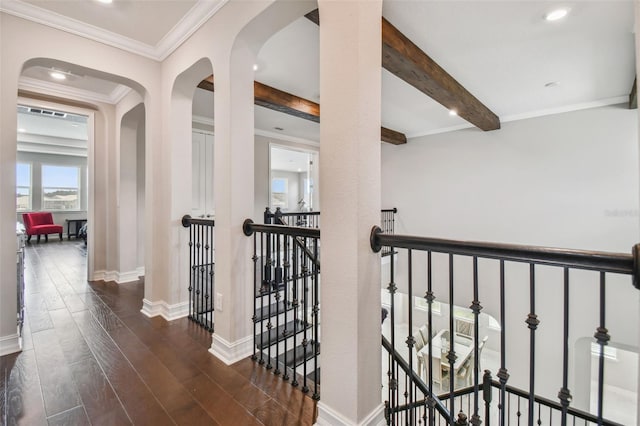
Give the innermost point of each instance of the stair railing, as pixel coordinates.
(286, 320)
(201, 270)
(499, 257)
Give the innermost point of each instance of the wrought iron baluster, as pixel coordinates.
(191, 271)
(410, 341)
(205, 267)
(305, 315)
(201, 272)
(476, 307)
(270, 283)
(602, 337)
(430, 298)
(211, 276)
(316, 322)
(503, 375)
(277, 284)
(565, 395)
(487, 396)
(263, 289)
(296, 303)
(451, 356)
(532, 321)
(392, 291)
(254, 258)
(286, 279)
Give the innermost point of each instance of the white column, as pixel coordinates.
(233, 194)
(350, 89)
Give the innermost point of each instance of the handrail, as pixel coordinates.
(187, 221)
(581, 259)
(249, 227)
(415, 378)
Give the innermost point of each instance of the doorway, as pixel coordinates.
(293, 177)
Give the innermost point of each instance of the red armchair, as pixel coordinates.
(40, 223)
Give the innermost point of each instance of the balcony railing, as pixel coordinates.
(411, 397)
(201, 270)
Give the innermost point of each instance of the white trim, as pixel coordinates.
(163, 309)
(190, 22)
(97, 275)
(230, 353)
(140, 271)
(280, 136)
(533, 114)
(10, 344)
(203, 120)
(127, 277)
(329, 417)
(60, 90)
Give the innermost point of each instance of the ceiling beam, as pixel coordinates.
(272, 98)
(402, 58)
(633, 96)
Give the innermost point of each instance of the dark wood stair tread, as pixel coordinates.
(277, 334)
(296, 356)
(276, 309)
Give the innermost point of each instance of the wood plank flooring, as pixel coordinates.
(91, 358)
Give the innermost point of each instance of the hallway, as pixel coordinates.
(90, 357)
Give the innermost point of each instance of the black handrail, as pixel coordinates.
(188, 221)
(249, 227)
(581, 259)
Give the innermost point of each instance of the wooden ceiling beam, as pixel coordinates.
(404, 59)
(278, 100)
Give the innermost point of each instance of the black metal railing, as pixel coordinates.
(300, 219)
(201, 270)
(388, 226)
(286, 320)
(446, 363)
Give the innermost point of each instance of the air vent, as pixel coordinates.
(48, 112)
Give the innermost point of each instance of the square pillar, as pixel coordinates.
(350, 90)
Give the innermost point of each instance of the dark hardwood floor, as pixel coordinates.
(91, 357)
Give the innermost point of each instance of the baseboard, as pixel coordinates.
(163, 309)
(228, 352)
(126, 277)
(329, 417)
(118, 277)
(10, 344)
(140, 271)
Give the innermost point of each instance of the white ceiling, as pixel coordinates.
(503, 52)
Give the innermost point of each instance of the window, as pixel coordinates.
(60, 188)
(280, 193)
(23, 186)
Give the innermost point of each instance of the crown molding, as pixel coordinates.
(203, 120)
(200, 13)
(287, 138)
(190, 22)
(533, 114)
(60, 90)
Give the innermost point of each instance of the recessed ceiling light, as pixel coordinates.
(57, 75)
(22, 130)
(75, 125)
(278, 128)
(556, 15)
(255, 67)
(299, 169)
(105, 1)
(552, 84)
(453, 112)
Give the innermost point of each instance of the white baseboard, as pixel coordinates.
(329, 417)
(140, 271)
(118, 277)
(126, 277)
(10, 344)
(166, 311)
(228, 352)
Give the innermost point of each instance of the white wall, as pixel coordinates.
(261, 176)
(567, 180)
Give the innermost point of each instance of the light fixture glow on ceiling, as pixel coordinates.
(453, 112)
(21, 130)
(57, 75)
(556, 15)
(255, 67)
(105, 1)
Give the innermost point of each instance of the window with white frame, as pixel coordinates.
(60, 187)
(23, 186)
